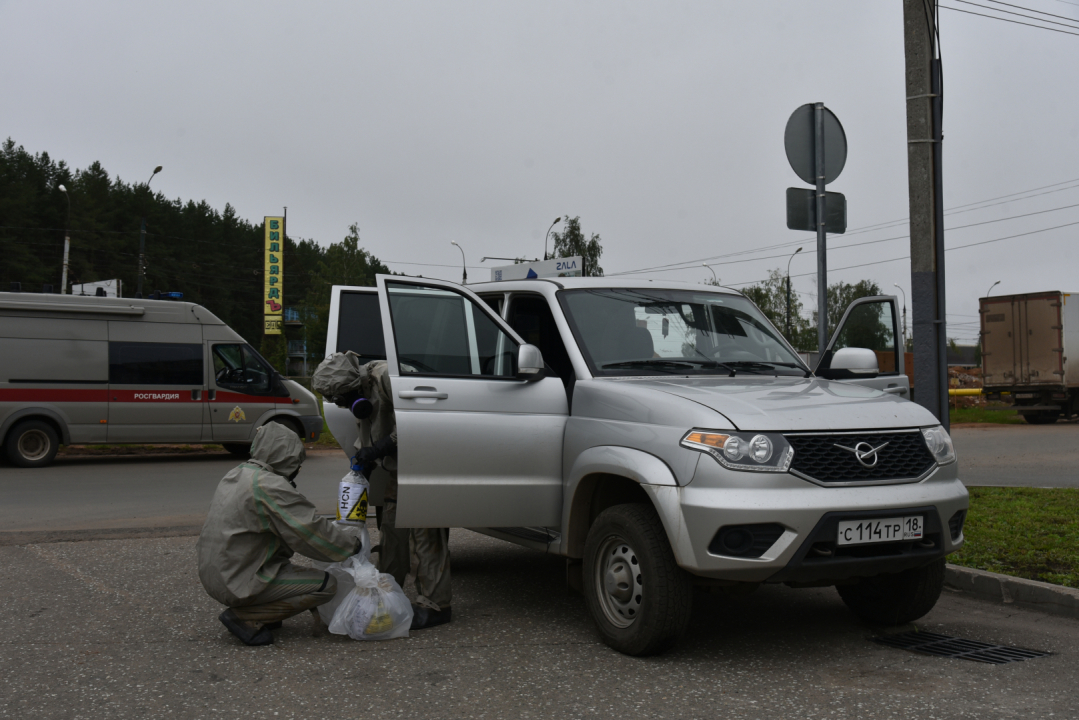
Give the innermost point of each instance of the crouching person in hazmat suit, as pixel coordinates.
(257, 520)
(365, 391)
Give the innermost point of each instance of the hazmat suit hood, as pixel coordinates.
(278, 448)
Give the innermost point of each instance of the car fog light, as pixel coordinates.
(735, 448)
(760, 448)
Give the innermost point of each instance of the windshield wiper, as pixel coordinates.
(768, 363)
(650, 362)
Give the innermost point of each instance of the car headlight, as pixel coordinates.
(752, 452)
(939, 443)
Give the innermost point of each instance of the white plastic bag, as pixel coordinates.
(373, 608)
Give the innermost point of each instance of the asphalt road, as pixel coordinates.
(123, 629)
(136, 492)
(1018, 455)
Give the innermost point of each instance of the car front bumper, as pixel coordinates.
(808, 514)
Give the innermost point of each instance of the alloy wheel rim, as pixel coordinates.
(33, 445)
(619, 582)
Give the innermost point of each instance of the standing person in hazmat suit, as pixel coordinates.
(365, 391)
(257, 520)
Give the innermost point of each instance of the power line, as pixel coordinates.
(1016, 22)
(957, 210)
(1020, 7)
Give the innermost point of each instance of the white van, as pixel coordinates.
(77, 370)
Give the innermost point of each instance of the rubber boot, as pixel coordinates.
(249, 633)
(424, 617)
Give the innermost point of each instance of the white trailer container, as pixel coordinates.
(1026, 342)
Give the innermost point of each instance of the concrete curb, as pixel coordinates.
(1029, 594)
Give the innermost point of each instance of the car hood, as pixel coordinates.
(785, 404)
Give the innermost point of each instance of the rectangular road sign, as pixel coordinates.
(802, 211)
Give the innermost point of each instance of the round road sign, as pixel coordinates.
(799, 139)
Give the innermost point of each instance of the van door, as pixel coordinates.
(243, 388)
(155, 388)
(477, 447)
(872, 323)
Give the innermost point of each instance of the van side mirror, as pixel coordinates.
(851, 363)
(529, 362)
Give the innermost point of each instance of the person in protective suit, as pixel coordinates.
(257, 520)
(365, 391)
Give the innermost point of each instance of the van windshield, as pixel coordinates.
(624, 332)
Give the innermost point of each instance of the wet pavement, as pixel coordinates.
(123, 629)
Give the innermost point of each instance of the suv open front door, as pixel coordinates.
(870, 323)
(462, 413)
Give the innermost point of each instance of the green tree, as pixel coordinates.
(571, 241)
(771, 297)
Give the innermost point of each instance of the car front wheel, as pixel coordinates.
(637, 595)
(896, 599)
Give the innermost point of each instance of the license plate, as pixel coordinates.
(858, 532)
(1026, 396)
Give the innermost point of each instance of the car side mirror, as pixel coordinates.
(529, 362)
(851, 363)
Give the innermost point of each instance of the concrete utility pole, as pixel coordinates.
(924, 136)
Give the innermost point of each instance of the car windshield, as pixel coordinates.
(624, 331)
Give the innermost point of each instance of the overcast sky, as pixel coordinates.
(660, 124)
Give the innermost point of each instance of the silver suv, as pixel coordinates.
(659, 436)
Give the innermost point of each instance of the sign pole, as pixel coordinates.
(822, 258)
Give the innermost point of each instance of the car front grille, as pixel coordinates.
(822, 458)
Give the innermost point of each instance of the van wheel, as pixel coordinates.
(241, 450)
(32, 443)
(896, 599)
(637, 595)
(291, 424)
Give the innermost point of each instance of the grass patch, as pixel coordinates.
(1026, 532)
(326, 439)
(985, 415)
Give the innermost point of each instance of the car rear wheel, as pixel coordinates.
(896, 599)
(241, 450)
(32, 443)
(637, 595)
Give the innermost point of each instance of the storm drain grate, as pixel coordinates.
(950, 647)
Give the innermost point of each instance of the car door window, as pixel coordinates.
(871, 325)
(238, 368)
(530, 316)
(144, 363)
(441, 332)
(359, 326)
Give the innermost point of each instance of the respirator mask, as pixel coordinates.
(360, 407)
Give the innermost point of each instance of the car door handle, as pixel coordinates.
(896, 391)
(422, 393)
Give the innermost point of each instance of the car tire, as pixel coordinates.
(32, 443)
(291, 424)
(1047, 417)
(896, 599)
(637, 595)
(241, 450)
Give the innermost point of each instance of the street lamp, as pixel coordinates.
(715, 280)
(142, 240)
(67, 240)
(464, 269)
(548, 235)
(991, 288)
(789, 292)
(904, 311)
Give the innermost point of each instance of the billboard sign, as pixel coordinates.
(273, 275)
(558, 267)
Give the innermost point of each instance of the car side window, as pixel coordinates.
(149, 363)
(531, 317)
(871, 325)
(238, 368)
(442, 332)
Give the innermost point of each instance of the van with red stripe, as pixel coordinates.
(78, 370)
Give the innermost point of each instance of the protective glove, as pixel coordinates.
(386, 447)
